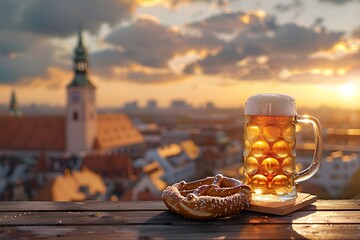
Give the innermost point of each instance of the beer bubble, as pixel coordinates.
(271, 133)
(288, 165)
(270, 166)
(251, 165)
(280, 184)
(246, 147)
(289, 133)
(281, 149)
(259, 183)
(260, 148)
(252, 132)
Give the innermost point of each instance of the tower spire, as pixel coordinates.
(13, 107)
(80, 64)
(80, 42)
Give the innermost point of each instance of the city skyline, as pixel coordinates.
(208, 51)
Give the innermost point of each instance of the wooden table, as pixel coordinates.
(335, 219)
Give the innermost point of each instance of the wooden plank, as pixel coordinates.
(319, 205)
(282, 208)
(348, 204)
(166, 217)
(246, 231)
(20, 206)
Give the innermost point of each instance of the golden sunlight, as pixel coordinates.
(149, 2)
(348, 90)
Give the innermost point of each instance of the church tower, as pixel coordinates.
(13, 106)
(81, 105)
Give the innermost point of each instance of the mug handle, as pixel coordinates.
(318, 152)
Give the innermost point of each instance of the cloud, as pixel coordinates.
(338, 2)
(227, 44)
(108, 58)
(54, 78)
(287, 39)
(356, 33)
(284, 7)
(259, 73)
(16, 67)
(15, 42)
(62, 18)
(157, 77)
(149, 43)
(296, 6)
(287, 46)
(28, 27)
(223, 63)
(176, 3)
(141, 51)
(292, 38)
(227, 23)
(10, 12)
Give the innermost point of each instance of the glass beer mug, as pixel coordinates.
(269, 147)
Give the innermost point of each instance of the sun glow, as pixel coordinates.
(348, 90)
(149, 2)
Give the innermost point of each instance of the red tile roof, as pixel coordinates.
(32, 133)
(115, 130)
(48, 132)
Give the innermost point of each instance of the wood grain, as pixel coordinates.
(319, 205)
(248, 231)
(334, 219)
(166, 217)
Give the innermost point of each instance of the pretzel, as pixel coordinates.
(208, 198)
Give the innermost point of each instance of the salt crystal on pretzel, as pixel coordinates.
(208, 198)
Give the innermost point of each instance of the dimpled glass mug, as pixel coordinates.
(269, 147)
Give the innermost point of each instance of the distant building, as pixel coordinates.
(336, 170)
(151, 133)
(179, 104)
(131, 105)
(177, 160)
(210, 106)
(149, 185)
(211, 159)
(343, 136)
(174, 136)
(151, 104)
(81, 130)
(80, 136)
(210, 137)
(227, 162)
(164, 166)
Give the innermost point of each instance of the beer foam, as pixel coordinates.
(270, 104)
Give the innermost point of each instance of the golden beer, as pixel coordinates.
(269, 154)
(269, 147)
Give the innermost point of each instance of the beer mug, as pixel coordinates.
(269, 147)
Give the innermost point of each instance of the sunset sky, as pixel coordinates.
(207, 50)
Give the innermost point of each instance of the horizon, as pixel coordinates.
(219, 51)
